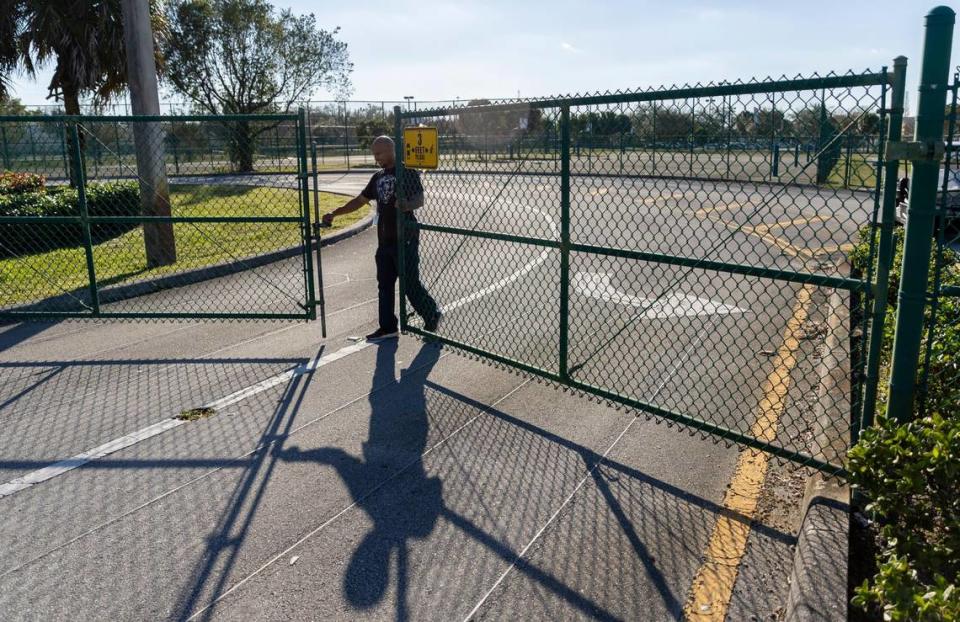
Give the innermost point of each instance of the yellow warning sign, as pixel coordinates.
(420, 147)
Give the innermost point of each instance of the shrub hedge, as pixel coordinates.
(27, 195)
(910, 473)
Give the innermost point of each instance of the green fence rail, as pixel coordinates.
(110, 217)
(678, 251)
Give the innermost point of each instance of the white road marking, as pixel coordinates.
(597, 285)
(59, 468)
(64, 466)
(542, 257)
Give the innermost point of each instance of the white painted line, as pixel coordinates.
(59, 468)
(597, 285)
(509, 279)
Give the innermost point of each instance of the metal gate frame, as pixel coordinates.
(74, 159)
(870, 287)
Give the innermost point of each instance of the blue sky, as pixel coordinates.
(494, 48)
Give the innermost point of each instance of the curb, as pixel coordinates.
(198, 275)
(818, 579)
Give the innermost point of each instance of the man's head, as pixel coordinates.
(383, 154)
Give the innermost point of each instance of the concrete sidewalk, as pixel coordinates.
(397, 482)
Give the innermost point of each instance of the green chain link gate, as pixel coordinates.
(678, 251)
(113, 217)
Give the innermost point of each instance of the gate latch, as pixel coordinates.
(930, 150)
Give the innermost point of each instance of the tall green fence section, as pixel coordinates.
(679, 251)
(925, 377)
(112, 216)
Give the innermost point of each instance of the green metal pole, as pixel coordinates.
(729, 130)
(885, 252)
(6, 148)
(116, 135)
(63, 149)
(934, 74)
(398, 156)
(276, 147)
(84, 217)
(693, 131)
(305, 202)
(653, 151)
(176, 156)
(564, 240)
(846, 164)
(346, 134)
(316, 236)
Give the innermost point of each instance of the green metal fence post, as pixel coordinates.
(276, 147)
(174, 142)
(67, 168)
(693, 131)
(305, 202)
(316, 235)
(6, 147)
(84, 215)
(564, 240)
(401, 261)
(653, 151)
(934, 74)
(885, 251)
(846, 164)
(346, 134)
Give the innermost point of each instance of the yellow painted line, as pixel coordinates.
(780, 243)
(833, 248)
(720, 207)
(654, 200)
(713, 584)
(803, 220)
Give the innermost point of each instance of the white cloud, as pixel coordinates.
(569, 47)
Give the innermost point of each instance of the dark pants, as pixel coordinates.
(388, 268)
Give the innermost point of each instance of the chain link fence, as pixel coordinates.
(679, 251)
(939, 370)
(112, 216)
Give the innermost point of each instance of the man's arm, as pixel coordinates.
(350, 206)
(414, 202)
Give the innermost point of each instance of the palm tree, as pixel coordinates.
(9, 59)
(84, 41)
(82, 38)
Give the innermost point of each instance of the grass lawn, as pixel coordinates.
(51, 273)
(862, 172)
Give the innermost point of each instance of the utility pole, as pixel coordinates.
(148, 136)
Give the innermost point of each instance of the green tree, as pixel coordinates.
(243, 57)
(494, 129)
(368, 129)
(13, 106)
(82, 40)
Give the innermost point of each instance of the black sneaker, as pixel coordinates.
(433, 323)
(382, 335)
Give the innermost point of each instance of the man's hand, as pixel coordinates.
(327, 219)
(408, 205)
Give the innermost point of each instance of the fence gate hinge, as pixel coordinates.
(930, 150)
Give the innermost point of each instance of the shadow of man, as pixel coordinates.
(392, 461)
